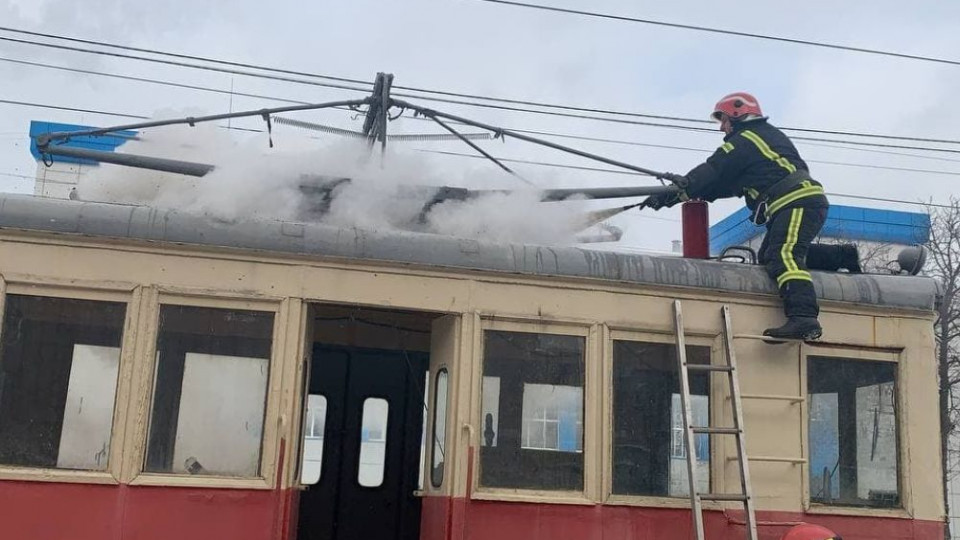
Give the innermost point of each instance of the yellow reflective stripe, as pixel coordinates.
(793, 271)
(727, 147)
(799, 275)
(752, 192)
(793, 196)
(768, 152)
(786, 250)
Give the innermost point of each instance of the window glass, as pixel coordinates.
(423, 431)
(59, 360)
(853, 432)
(439, 428)
(210, 390)
(649, 448)
(491, 409)
(373, 442)
(532, 411)
(313, 429)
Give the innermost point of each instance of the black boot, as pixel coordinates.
(805, 328)
(850, 259)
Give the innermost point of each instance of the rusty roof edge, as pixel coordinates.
(316, 239)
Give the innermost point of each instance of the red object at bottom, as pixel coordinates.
(696, 230)
(809, 532)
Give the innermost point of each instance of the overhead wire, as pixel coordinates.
(265, 97)
(410, 88)
(796, 41)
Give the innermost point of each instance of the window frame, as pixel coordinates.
(127, 294)
(858, 354)
(716, 400)
(134, 472)
(590, 494)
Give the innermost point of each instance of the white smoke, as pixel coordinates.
(250, 180)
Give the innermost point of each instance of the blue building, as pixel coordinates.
(874, 230)
(58, 175)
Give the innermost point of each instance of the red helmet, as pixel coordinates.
(736, 106)
(807, 531)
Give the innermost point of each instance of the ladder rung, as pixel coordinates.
(708, 367)
(773, 459)
(792, 399)
(722, 497)
(716, 430)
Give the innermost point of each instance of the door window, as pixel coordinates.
(314, 425)
(373, 442)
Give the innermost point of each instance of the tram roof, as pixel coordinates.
(140, 223)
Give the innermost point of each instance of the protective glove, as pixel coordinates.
(661, 200)
(676, 179)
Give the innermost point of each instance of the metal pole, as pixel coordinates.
(606, 193)
(430, 113)
(473, 145)
(384, 114)
(47, 138)
(186, 168)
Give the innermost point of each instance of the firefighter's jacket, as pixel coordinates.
(757, 162)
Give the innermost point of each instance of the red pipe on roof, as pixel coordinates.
(696, 231)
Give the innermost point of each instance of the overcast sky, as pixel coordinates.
(482, 48)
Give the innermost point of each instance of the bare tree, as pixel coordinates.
(944, 266)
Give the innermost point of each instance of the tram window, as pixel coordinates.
(533, 411)
(853, 432)
(439, 428)
(313, 430)
(210, 389)
(649, 450)
(58, 379)
(491, 410)
(373, 442)
(423, 432)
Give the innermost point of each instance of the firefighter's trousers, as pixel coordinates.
(784, 253)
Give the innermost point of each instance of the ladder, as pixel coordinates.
(690, 431)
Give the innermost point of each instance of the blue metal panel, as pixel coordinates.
(104, 143)
(733, 230)
(843, 222)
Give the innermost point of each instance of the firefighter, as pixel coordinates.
(806, 531)
(758, 162)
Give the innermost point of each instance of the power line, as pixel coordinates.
(795, 41)
(866, 198)
(612, 171)
(148, 80)
(873, 151)
(410, 88)
(544, 133)
(14, 175)
(632, 122)
(540, 163)
(71, 109)
(102, 113)
(182, 64)
(182, 56)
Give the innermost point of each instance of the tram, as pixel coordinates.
(164, 375)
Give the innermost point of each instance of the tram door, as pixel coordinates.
(362, 445)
